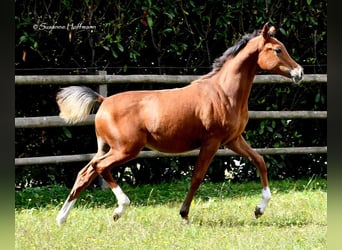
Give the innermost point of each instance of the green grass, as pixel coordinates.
(221, 217)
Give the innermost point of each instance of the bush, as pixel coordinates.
(182, 37)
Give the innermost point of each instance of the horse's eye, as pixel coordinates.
(277, 50)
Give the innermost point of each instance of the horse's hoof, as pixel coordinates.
(60, 220)
(185, 217)
(258, 212)
(185, 221)
(116, 217)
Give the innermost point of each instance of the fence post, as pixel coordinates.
(103, 87)
(103, 90)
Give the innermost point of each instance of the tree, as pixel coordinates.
(163, 37)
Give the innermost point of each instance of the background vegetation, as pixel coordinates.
(163, 37)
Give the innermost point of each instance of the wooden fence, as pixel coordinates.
(104, 80)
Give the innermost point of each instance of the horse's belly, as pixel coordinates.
(177, 144)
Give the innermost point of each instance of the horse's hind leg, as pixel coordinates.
(123, 200)
(240, 146)
(84, 178)
(103, 166)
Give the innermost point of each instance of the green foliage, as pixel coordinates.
(259, 133)
(180, 37)
(186, 34)
(158, 194)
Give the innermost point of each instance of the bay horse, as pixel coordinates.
(209, 113)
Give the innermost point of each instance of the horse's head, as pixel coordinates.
(274, 57)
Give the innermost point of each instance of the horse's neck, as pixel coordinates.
(236, 79)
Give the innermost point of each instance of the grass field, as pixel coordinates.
(221, 217)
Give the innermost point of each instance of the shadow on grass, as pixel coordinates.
(236, 221)
(161, 194)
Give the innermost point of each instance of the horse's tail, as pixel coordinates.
(76, 102)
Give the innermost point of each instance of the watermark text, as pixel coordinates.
(68, 27)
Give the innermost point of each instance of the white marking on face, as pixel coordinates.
(297, 74)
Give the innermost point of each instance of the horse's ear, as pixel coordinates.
(268, 31)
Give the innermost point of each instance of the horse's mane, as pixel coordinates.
(230, 52)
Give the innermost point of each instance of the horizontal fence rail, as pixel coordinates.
(103, 80)
(56, 121)
(155, 154)
(165, 79)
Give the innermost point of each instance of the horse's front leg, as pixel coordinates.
(240, 146)
(206, 154)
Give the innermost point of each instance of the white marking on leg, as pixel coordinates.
(123, 202)
(266, 196)
(63, 213)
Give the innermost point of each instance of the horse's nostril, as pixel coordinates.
(297, 74)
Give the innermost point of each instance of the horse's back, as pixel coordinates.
(152, 104)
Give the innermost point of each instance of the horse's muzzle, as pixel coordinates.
(297, 74)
